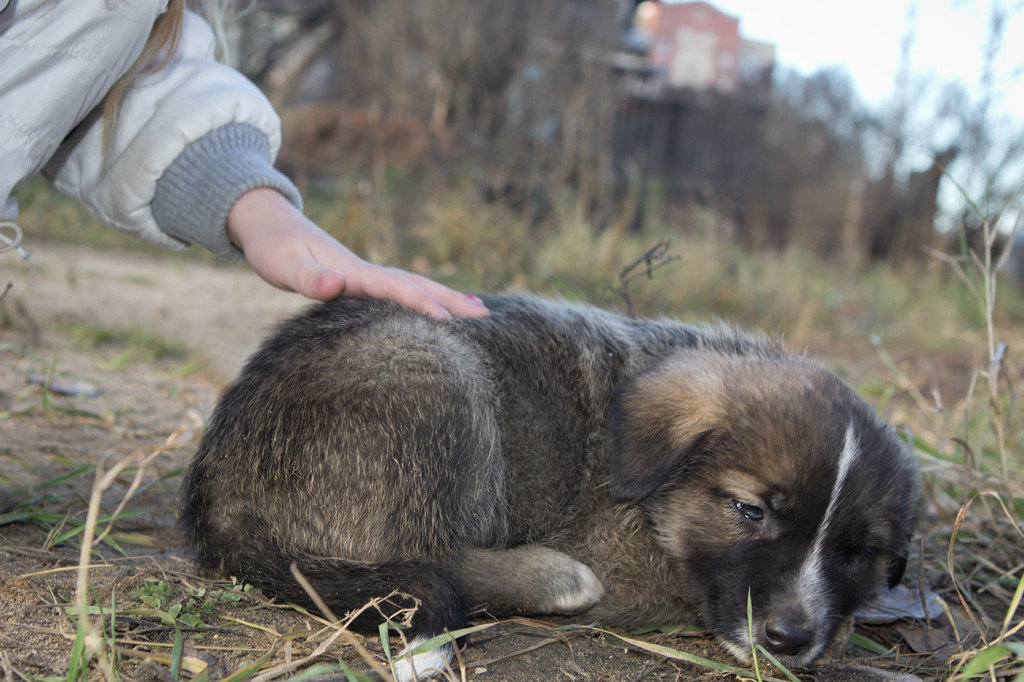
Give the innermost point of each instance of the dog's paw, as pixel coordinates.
(530, 579)
(572, 585)
(409, 666)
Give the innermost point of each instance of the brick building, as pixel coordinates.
(696, 45)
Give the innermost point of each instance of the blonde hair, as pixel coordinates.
(158, 51)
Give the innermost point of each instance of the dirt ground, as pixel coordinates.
(75, 315)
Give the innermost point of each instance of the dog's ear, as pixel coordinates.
(895, 570)
(655, 422)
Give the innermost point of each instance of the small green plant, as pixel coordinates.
(189, 606)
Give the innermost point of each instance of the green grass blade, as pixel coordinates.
(14, 517)
(321, 669)
(774, 661)
(981, 661)
(1014, 603)
(22, 492)
(77, 412)
(750, 635)
(667, 652)
(77, 665)
(385, 641)
(447, 638)
(1016, 647)
(176, 650)
(353, 675)
(77, 471)
(863, 642)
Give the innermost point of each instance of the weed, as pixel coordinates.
(188, 606)
(985, 550)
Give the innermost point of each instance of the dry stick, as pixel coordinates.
(89, 539)
(352, 615)
(59, 569)
(339, 629)
(51, 537)
(1005, 633)
(995, 351)
(313, 594)
(653, 258)
(459, 660)
(921, 582)
(169, 444)
(88, 535)
(285, 668)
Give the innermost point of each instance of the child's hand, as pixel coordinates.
(290, 252)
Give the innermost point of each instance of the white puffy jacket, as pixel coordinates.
(59, 58)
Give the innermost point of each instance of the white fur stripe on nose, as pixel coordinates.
(812, 585)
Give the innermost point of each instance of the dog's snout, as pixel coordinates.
(787, 637)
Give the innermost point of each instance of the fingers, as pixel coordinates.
(412, 291)
(356, 277)
(323, 285)
(455, 302)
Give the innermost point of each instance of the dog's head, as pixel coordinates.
(765, 476)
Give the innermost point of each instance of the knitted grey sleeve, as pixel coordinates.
(196, 192)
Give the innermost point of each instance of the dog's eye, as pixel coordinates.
(749, 511)
(861, 553)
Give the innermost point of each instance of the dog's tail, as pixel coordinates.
(420, 598)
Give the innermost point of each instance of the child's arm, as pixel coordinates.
(292, 253)
(192, 109)
(191, 141)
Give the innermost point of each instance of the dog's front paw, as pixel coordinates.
(531, 579)
(574, 586)
(409, 667)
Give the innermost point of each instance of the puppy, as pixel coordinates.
(550, 459)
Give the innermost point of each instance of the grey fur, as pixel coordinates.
(552, 458)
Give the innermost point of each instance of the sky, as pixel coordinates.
(865, 37)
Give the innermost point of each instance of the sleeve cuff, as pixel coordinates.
(195, 194)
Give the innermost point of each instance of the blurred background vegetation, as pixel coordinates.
(497, 144)
(533, 104)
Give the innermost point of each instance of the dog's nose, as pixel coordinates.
(786, 637)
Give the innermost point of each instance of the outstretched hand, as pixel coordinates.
(290, 252)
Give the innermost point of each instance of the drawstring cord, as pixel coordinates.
(12, 243)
